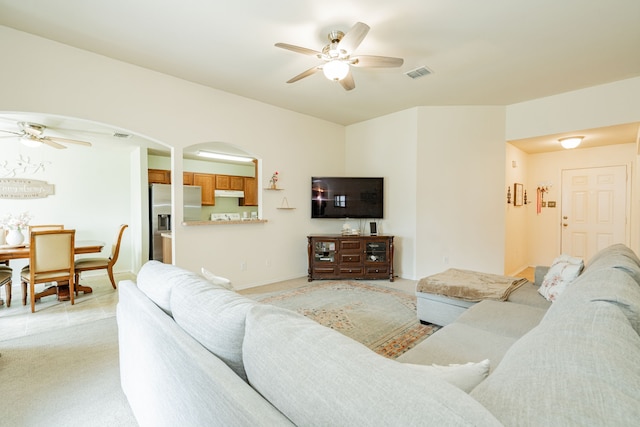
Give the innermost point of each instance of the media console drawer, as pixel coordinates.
(350, 257)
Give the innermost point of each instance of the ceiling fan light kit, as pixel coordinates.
(335, 70)
(339, 57)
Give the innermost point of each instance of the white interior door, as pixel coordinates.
(594, 209)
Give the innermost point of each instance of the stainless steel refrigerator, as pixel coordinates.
(160, 213)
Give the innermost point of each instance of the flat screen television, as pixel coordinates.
(347, 197)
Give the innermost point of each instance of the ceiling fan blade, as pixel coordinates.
(13, 134)
(298, 49)
(50, 143)
(304, 74)
(348, 83)
(376, 61)
(55, 140)
(354, 37)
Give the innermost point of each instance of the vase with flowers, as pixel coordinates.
(273, 182)
(15, 225)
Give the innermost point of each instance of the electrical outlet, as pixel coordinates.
(243, 266)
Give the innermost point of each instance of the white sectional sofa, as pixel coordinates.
(194, 354)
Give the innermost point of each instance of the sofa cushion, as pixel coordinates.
(581, 369)
(611, 285)
(563, 271)
(317, 376)
(465, 376)
(617, 256)
(528, 294)
(502, 318)
(215, 317)
(156, 280)
(459, 343)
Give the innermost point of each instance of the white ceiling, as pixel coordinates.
(492, 52)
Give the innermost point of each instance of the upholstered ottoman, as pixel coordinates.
(442, 297)
(439, 309)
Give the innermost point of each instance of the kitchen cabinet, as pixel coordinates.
(159, 176)
(187, 178)
(250, 192)
(229, 182)
(207, 183)
(163, 176)
(250, 188)
(350, 257)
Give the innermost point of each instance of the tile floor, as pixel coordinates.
(17, 320)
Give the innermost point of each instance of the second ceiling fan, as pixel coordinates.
(338, 56)
(32, 134)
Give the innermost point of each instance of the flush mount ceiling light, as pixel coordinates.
(221, 156)
(571, 142)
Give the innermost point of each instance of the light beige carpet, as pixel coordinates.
(67, 377)
(379, 317)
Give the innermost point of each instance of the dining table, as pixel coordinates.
(9, 252)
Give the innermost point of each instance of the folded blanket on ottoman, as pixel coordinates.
(470, 285)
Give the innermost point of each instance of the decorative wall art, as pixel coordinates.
(23, 165)
(518, 194)
(17, 188)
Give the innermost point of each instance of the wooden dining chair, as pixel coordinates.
(45, 227)
(51, 259)
(88, 264)
(5, 280)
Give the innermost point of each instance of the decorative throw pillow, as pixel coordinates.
(216, 280)
(466, 377)
(563, 270)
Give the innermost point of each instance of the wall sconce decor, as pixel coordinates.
(540, 197)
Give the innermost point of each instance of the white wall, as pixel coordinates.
(460, 210)
(443, 198)
(598, 106)
(387, 147)
(178, 114)
(516, 256)
(92, 193)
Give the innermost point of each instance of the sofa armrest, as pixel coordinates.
(540, 272)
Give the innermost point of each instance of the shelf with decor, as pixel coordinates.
(285, 205)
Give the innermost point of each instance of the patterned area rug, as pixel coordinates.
(381, 318)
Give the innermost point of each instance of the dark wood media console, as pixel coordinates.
(350, 257)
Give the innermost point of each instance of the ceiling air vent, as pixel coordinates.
(121, 135)
(419, 72)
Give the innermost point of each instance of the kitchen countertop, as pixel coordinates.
(224, 222)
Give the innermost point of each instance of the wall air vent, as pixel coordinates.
(121, 135)
(419, 72)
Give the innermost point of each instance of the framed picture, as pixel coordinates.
(518, 195)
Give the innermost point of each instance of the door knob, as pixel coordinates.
(565, 224)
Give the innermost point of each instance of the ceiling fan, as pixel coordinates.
(338, 56)
(32, 135)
